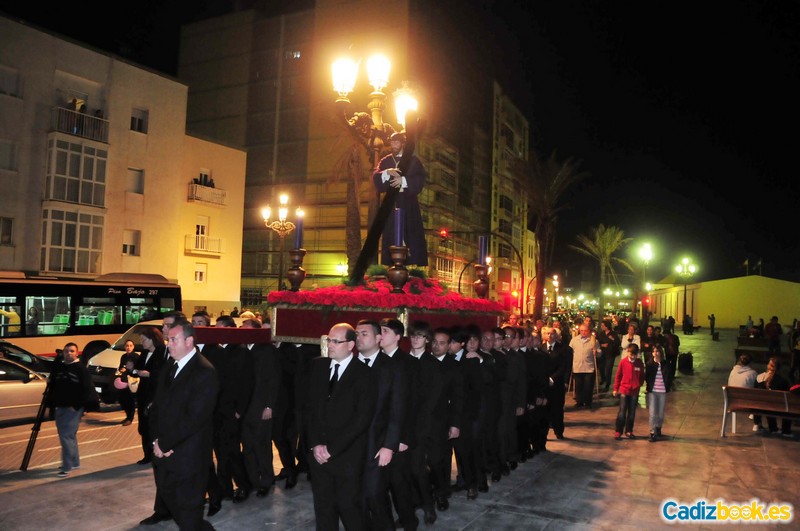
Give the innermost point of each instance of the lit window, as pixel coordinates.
(71, 242)
(200, 272)
(139, 120)
(130, 242)
(77, 174)
(6, 231)
(135, 183)
(8, 155)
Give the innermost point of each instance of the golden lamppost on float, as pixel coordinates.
(283, 227)
(373, 133)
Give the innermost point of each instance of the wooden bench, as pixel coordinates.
(781, 404)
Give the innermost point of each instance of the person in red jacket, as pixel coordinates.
(630, 376)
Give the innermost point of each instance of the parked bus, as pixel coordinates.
(41, 314)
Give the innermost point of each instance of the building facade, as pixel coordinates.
(100, 175)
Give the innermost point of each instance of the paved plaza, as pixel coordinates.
(586, 481)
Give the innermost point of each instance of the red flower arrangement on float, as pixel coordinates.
(424, 294)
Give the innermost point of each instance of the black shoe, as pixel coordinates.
(496, 477)
(652, 437)
(144, 461)
(240, 495)
(430, 517)
(262, 492)
(155, 518)
(472, 493)
(291, 479)
(281, 474)
(457, 487)
(512, 465)
(483, 486)
(213, 508)
(560, 436)
(442, 504)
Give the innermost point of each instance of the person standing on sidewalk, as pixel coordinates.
(70, 389)
(657, 375)
(630, 375)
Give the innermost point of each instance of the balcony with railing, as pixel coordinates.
(203, 245)
(79, 124)
(206, 194)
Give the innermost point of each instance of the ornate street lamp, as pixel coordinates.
(646, 254)
(283, 228)
(372, 133)
(686, 269)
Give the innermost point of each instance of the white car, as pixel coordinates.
(21, 391)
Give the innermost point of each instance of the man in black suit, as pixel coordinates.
(446, 417)
(235, 369)
(383, 435)
(340, 404)
(392, 331)
(257, 422)
(559, 369)
(181, 425)
(160, 510)
(147, 368)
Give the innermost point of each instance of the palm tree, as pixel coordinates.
(361, 143)
(547, 180)
(601, 245)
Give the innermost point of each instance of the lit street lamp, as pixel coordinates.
(283, 228)
(686, 269)
(646, 254)
(372, 133)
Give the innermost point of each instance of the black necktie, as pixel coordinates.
(334, 378)
(366, 360)
(549, 349)
(171, 375)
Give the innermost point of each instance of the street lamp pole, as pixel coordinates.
(282, 228)
(685, 269)
(646, 254)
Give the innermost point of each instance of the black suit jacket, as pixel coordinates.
(410, 368)
(560, 366)
(267, 376)
(235, 369)
(147, 386)
(181, 416)
(385, 429)
(340, 421)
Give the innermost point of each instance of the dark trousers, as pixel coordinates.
(257, 452)
(627, 413)
(284, 435)
(144, 431)
(227, 448)
(375, 490)
(182, 493)
(584, 387)
(420, 477)
(127, 402)
(556, 396)
(401, 490)
(336, 496)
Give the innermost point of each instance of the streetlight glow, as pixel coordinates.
(378, 67)
(404, 101)
(344, 71)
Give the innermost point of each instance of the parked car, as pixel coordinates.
(21, 391)
(20, 355)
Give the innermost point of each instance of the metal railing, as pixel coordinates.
(197, 243)
(80, 124)
(206, 194)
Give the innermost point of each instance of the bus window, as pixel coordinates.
(142, 309)
(9, 318)
(98, 311)
(41, 315)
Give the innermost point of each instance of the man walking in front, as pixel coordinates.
(339, 410)
(181, 426)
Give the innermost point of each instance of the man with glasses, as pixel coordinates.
(341, 401)
(181, 427)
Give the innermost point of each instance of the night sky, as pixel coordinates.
(683, 113)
